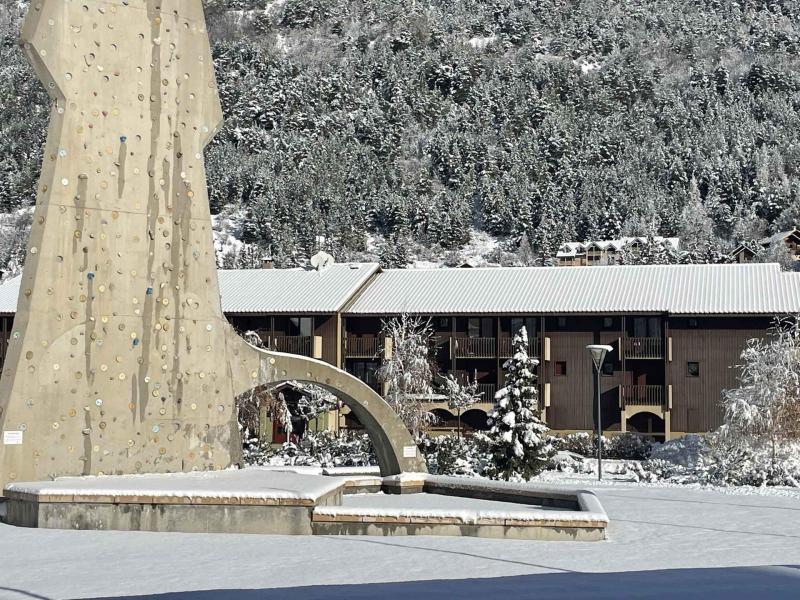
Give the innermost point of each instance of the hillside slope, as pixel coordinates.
(399, 127)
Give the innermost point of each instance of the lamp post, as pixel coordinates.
(598, 352)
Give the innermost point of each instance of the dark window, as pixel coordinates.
(647, 327)
(562, 322)
(693, 324)
(474, 328)
(608, 368)
(693, 369)
(444, 323)
(487, 327)
(608, 322)
(529, 323)
(560, 368)
(302, 326)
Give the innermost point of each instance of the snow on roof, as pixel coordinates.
(571, 249)
(778, 237)
(292, 291)
(675, 289)
(253, 483)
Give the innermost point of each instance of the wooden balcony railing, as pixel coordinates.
(505, 347)
(301, 345)
(641, 395)
(643, 347)
(368, 347)
(487, 392)
(467, 347)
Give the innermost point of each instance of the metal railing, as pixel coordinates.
(300, 345)
(467, 347)
(643, 347)
(367, 347)
(641, 395)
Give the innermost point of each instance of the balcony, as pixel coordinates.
(643, 347)
(505, 347)
(641, 395)
(487, 392)
(468, 347)
(301, 345)
(367, 347)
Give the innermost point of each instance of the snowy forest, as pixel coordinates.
(392, 129)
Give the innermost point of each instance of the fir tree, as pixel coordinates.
(517, 440)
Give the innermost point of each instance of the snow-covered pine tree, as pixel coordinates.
(517, 440)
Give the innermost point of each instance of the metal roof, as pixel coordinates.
(751, 289)
(745, 289)
(269, 291)
(292, 290)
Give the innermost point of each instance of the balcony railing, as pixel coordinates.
(487, 392)
(467, 347)
(300, 345)
(368, 347)
(505, 347)
(641, 395)
(643, 347)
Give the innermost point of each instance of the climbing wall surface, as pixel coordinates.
(118, 361)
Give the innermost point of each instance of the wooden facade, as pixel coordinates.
(665, 374)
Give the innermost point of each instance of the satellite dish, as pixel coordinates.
(321, 261)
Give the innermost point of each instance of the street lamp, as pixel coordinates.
(598, 352)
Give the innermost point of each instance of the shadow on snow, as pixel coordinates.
(729, 583)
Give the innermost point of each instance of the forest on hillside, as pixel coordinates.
(400, 128)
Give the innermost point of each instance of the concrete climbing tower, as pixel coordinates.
(117, 361)
(121, 360)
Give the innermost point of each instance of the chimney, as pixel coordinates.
(267, 262)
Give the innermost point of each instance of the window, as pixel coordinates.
(529, 323)
(302, 326)
(608, 369)
(693, 324)
(647, 327)
(608, 322)
(693, 369)
(444, 323)
(560, 368)
(474, 328)
(562, 322)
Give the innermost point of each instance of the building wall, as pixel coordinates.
(715, 343)
(696, 400)
(326, 327)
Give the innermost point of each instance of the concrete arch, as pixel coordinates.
(252, 367)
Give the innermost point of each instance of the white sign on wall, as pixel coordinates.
(12, 438)
(409, 451)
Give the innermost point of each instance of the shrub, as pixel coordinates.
(324, 449)
(449, 455)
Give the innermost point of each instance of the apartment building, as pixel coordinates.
(676, 331)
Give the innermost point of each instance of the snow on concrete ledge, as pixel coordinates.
(250, 486)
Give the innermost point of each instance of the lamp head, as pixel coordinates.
(598, 352)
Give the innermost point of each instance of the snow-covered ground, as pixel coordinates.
(664, 541)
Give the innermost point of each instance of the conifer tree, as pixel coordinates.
(517, 441)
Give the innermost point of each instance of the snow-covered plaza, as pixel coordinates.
(680, 542)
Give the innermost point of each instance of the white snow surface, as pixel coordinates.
(253, 483)
(467, 510)
(675, 542)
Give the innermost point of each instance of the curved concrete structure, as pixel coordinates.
(121, 360)
(395, 449)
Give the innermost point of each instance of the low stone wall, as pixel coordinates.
(486, 529)
(293, 510)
